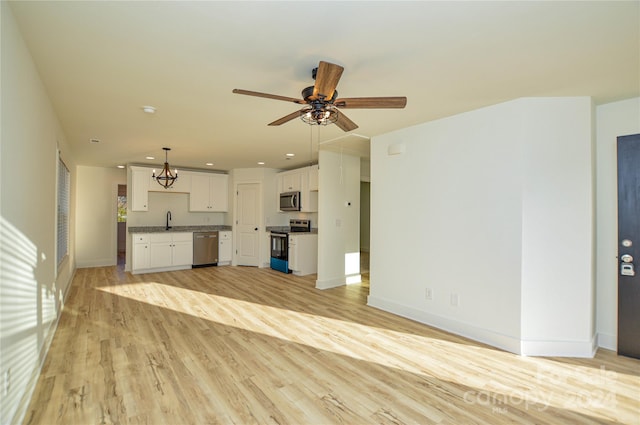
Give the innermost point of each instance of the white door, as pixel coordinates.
(247, 224)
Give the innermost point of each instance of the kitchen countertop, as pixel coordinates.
(161, 229)
(287, 229)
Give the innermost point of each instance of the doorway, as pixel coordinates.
(247, 233)
(121, 219)
(628, 246)
(365, 212)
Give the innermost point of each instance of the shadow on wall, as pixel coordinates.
(28, 309)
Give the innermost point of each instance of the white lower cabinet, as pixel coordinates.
(140, 254)
(303, 254)
(225, 247)
(162, 251)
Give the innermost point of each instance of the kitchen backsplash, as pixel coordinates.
(178, 204)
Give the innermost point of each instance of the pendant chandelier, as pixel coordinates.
(166, 178)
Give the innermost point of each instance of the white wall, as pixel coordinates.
(558, 228)
(446, 215)
(338, 220)
(96, 212)
(32, 291)
(613, 120)
(456, 213)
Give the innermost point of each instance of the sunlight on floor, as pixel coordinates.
(534, 388)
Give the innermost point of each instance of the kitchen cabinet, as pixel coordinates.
(140, 188)
(313, 177)
(298, 180)
(162, 251)
(225, 247)
(140, 255)
(290, 181)
(209, 192)
(303, 253)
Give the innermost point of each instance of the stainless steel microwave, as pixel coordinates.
(290, 201)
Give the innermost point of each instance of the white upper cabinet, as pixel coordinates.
(140, 189)
(209, 192)
(291, 181)
(303, 180)
(313, 178)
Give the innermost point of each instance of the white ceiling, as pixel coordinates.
(102, 61)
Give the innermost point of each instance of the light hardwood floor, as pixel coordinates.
(244, 345)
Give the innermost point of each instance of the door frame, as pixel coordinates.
(627, 285)
(261, 224)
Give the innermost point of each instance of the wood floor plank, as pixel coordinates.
(241, 345)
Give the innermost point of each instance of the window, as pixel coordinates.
(63, 211)
(122, 203)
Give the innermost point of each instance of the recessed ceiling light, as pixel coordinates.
(290, 154)
(149, 109)
(150, 157)
(120, 166)
(260, 163)
(209, 164)
(94, 140)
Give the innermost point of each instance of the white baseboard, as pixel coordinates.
(486, 336)
(330, 283)
(584, 349)
(99, 262)
(162, 269)
(608, 341)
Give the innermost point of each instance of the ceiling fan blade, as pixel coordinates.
(371, 102)
(327, 79)
(269, 96)
(286, 118)
(345, 123)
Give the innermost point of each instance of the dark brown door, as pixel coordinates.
(629, 245)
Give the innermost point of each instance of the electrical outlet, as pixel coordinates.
(454, 300)
(428, 293)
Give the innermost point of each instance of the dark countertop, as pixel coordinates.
(161, 229)
(287, 229)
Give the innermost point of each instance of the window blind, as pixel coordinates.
(63, 211)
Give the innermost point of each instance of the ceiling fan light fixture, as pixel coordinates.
(319, 114)
(166, 178)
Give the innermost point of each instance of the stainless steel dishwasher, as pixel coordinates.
(205, 249)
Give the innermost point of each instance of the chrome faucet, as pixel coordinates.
(168, 219)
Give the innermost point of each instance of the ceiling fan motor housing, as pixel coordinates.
(307, 95)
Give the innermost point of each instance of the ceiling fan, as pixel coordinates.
(321, 100)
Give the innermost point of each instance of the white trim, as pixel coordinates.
(505, 342)
(99, 262)
(330, 283)
(608, 341)
(560, 348)
(161, 269)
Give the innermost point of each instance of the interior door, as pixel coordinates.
(629, 245)
(248, 224)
